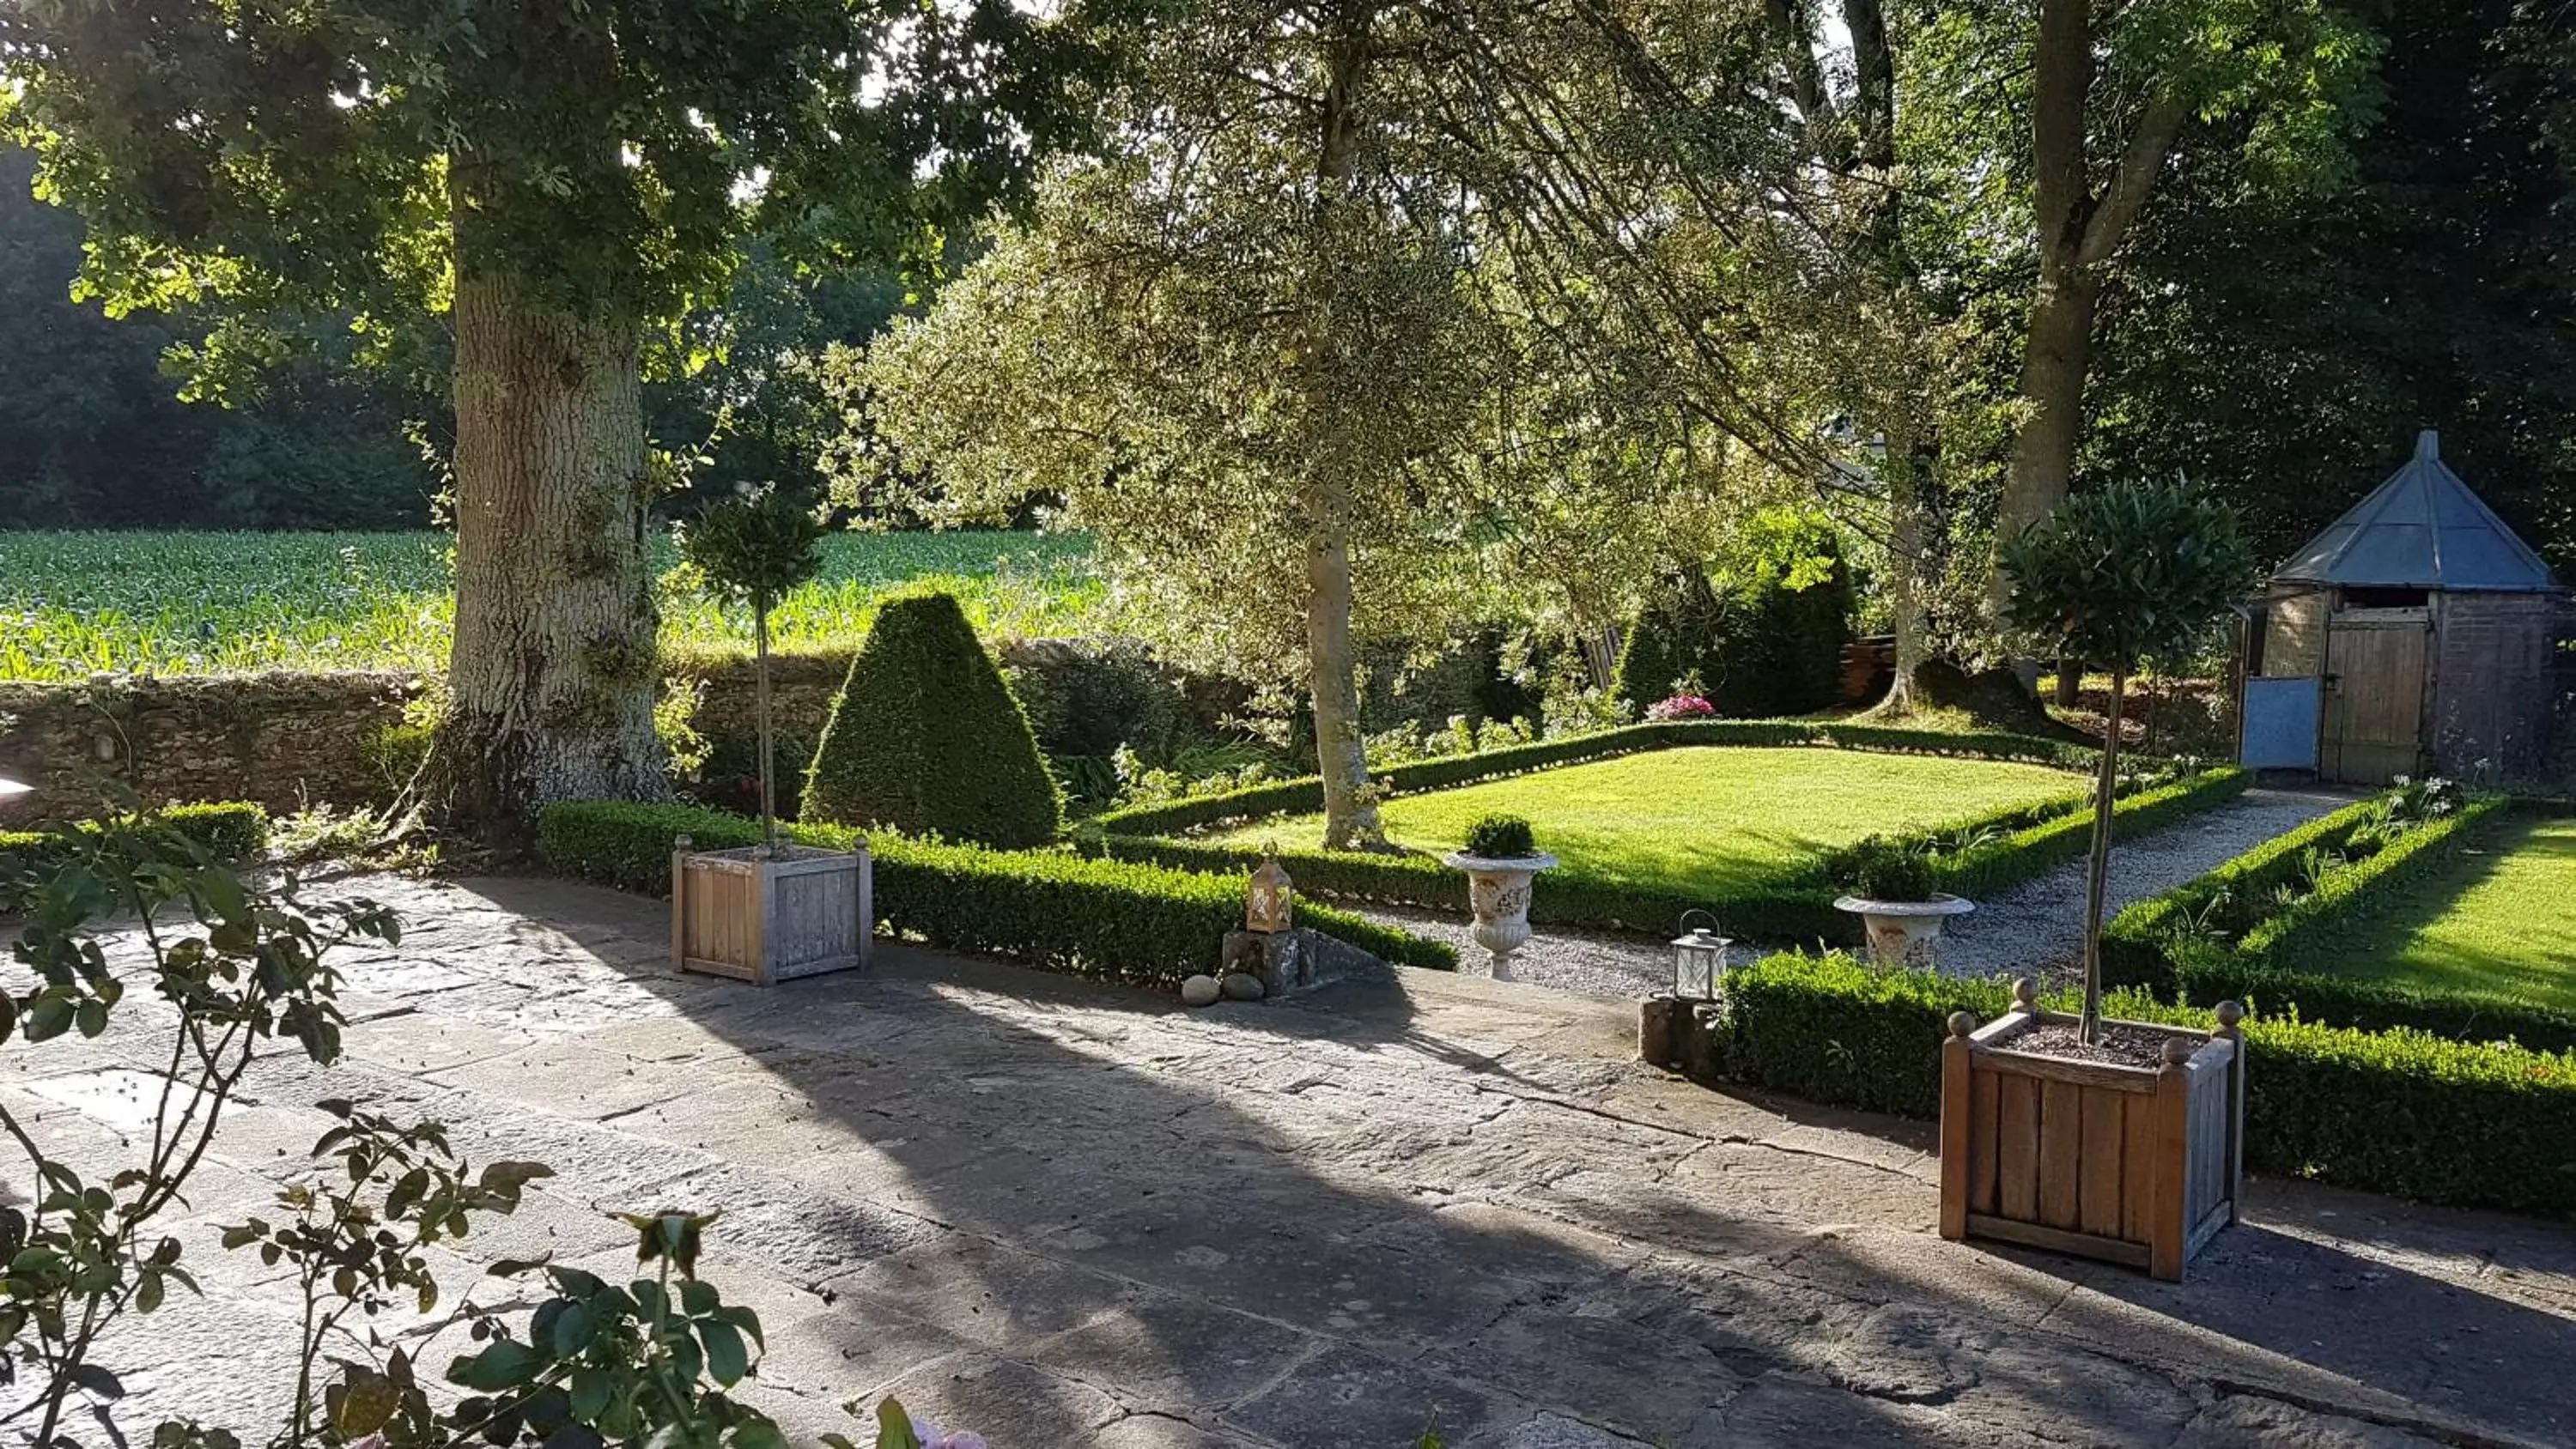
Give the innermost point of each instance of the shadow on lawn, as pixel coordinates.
(1065, 1213)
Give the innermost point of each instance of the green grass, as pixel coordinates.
(76, 604)
(2501, 921)
(1700, 818)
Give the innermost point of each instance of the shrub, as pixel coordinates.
(1501, 837)
(227, 831)
(1680, 706)
(1110, 919)
(2396, 1111)
(1880, 869)
(1779, 639)
(1670, 642)
(926, 738)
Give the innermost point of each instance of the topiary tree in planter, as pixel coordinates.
(2114, 577)
(753, 549)
(927, 738)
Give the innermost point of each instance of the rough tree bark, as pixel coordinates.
(1350, 814)
(551, 672)
(2080, 227)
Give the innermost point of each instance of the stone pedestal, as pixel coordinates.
(1655, 1022)
(1291, 961)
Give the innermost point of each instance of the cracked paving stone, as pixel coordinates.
(1352, 1397)
(983, 1291)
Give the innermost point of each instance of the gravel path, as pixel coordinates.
(2033, 927)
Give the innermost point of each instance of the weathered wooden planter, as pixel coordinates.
(2133, 1165)
(767, 917)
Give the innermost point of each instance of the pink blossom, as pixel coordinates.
(1681, 706)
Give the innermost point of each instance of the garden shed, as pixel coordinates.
(2416, 633)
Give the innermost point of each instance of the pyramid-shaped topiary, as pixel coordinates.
(926, 738)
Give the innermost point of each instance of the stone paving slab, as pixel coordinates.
(1067, 1214)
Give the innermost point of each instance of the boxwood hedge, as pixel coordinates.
(2398, 1111)
(1111, 920)
(227, 830)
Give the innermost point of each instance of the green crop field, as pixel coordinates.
(2499, 921)
(1700, 819)
(76, 604)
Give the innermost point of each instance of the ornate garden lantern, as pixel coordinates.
(1699, 958)
(1268, 896)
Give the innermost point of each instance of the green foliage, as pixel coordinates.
(926, 738)
(1113, 920)
(1881, 869)
(246, 968)
(755, 548)
(2398, 1111)
(1763, 640)
(1499, 837)
(2120, 575)
(224, 832)
(77, 604)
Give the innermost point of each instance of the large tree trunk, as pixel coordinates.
(551, 676)
(1341, 750)
(1905, 560)
(2053, 368)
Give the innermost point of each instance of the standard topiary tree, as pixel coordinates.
(754, 549)
(928, 739)
(2114, 577)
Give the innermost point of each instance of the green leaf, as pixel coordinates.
(727, 1358)
(894, 1427)
(502, 1365)
(592, 1390)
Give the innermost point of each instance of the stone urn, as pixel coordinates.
(1498, 891)
(1902, 933)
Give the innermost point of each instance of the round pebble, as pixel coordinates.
(1241, 987)
(1200, 991)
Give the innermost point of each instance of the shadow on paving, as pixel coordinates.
(1067, 1214)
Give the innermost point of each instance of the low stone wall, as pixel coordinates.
(284, 740)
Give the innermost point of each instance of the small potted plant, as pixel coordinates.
(1501, 860)
(2118, 1140)
(765, 913)
(1897, 895)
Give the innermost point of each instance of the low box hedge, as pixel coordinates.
(2285, 960)
(1798, 905)
(1111, 920)
(227, 830)
(1307, 792)
(2399, 1111)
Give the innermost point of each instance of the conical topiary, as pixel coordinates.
(927, 739)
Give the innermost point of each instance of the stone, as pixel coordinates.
(1200, 991)
(1239, 987)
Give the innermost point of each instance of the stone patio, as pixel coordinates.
(1073, 1215)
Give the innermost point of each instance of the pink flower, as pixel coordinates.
(1681, 706)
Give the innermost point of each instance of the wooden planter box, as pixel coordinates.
(766, 918)
(2133, 1165)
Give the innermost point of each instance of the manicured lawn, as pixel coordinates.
(2501, 921)
(1690, 819)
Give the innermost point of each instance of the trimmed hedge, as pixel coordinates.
(2399, 1112)
(227, 830)
(1798, 905)
(2285, 961)
(1110, 920)
(926, 738)
(1307, 792)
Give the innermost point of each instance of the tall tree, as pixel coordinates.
(2107, 101)
(554, 178)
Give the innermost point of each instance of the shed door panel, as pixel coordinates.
(2374, 699)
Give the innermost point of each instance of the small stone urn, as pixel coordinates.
(1904, 933)
(1498, 891)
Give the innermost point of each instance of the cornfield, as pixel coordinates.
(77, 604)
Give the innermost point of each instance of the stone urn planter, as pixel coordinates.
(2131, 1152)
(766, 916)
(1903, 933)
(1498, 891)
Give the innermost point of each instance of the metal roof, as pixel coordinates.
(2421, 529)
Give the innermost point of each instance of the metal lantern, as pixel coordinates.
(1699, 959)
(1268, 896)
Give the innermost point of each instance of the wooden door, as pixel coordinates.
(2374, 716)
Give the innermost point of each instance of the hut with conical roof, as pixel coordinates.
(2417, 633)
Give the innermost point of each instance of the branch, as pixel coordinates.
(2144, 161)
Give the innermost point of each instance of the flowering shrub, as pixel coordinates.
(1680, 706)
